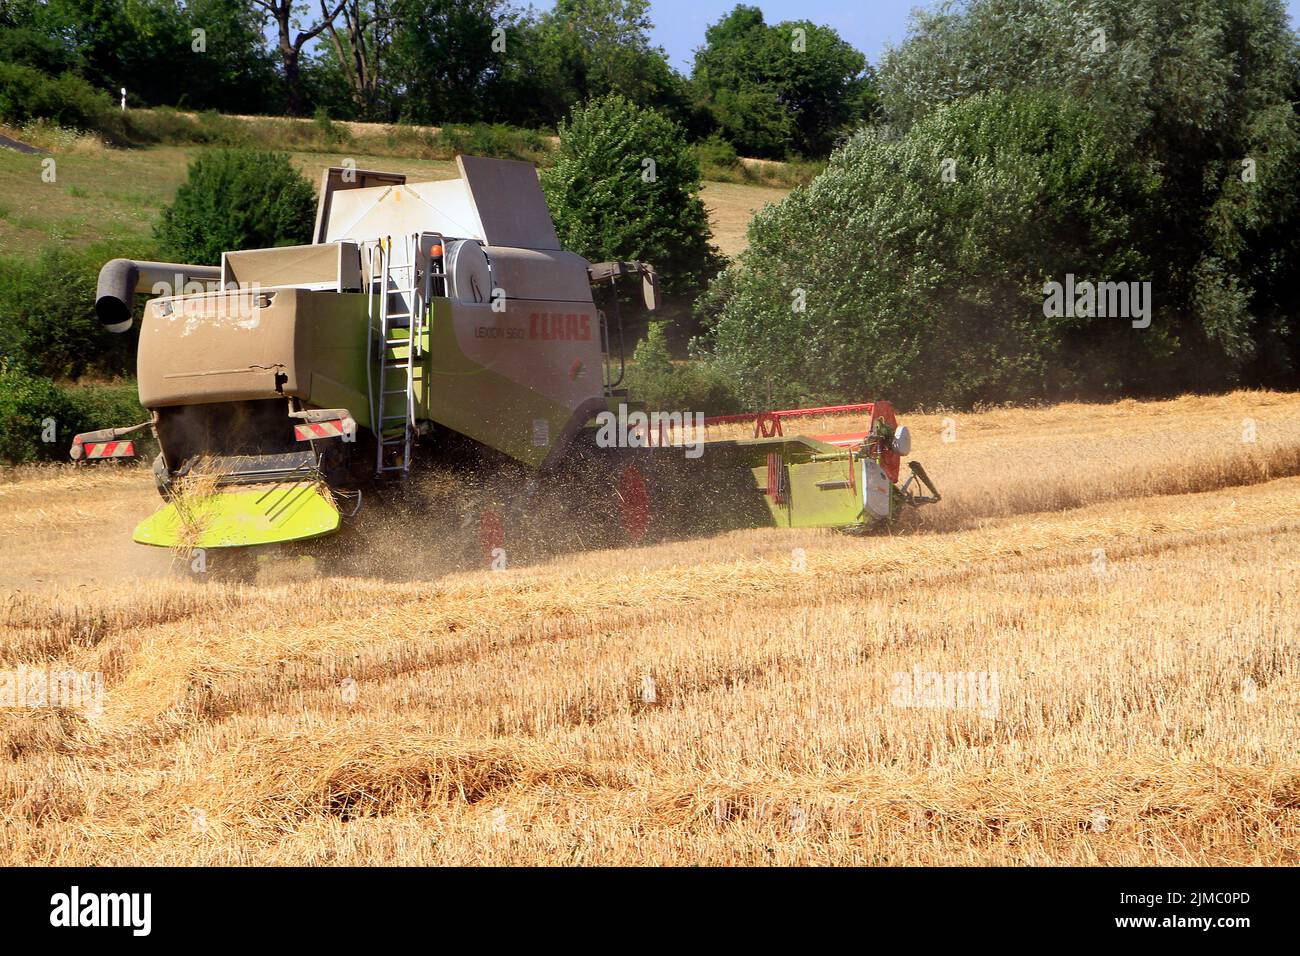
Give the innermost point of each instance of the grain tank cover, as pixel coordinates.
(337, 178)
(496, 201)
(375, 212)
(510, 203)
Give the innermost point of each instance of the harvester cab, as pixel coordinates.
(284, 381)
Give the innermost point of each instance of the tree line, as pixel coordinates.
(1027, 147)
(770, 90)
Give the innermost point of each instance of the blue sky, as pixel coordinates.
(867, 24)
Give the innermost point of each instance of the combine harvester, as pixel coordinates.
(435, 321)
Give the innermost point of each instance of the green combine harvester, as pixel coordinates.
(438, 320)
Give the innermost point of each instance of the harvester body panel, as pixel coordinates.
(241, 346)
(522, 380)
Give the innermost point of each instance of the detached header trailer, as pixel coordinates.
(423, 319)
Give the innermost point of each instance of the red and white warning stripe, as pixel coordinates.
(312, 430)
(109, 449)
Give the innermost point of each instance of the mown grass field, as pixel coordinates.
(1126, 573)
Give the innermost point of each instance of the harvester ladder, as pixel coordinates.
(403, 292)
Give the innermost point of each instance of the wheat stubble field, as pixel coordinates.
(1128, 572)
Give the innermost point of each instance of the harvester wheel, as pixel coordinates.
(634, 500)
(491, 536)
(162, 478)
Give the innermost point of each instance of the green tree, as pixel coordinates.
(216, 46)
(625, 185)
(226, 66)
(236, 199)
(296, 26)
(1204, 91)
(484, 60)
(442, 59)
(27, 38)
(653, 378)
(590, 48)
(361, 41)
(772, 90)
(884, 278)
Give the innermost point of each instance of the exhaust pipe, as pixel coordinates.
(121, 279)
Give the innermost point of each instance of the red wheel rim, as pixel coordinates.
(635, 500)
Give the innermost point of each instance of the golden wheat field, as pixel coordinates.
(1118, 582)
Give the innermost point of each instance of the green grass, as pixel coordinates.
(759, 172)
(97, 196)
(114, 195)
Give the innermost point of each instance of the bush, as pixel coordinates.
(67, 100)
(716, 151)
(780, 174)
(883, 279)
(47, 315)
(104, 405)
(236, 199)
(494, 139)
(330, 132)
(718, 160)
(654, 379)
(33, 409)
(625, 185)
(167, 125)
